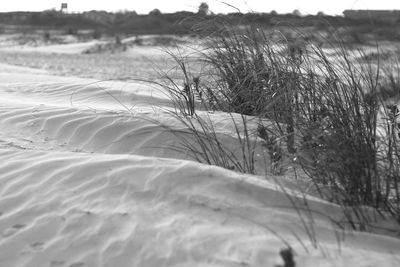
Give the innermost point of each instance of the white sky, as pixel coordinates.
(166, 6)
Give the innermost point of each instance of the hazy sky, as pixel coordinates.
(144, 6)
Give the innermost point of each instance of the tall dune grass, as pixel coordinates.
(197, 133)
(330, 108)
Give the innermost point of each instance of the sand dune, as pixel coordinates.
(71, 48)
(86, 181)
(102, 210)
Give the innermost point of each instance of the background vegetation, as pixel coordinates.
(156, 22)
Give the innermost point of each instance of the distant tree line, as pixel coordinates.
(170, 23)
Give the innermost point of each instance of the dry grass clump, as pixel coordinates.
(198, 135)
(330, 109)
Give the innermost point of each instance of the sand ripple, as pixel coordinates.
(83, 183)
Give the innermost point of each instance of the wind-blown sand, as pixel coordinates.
(84, 181)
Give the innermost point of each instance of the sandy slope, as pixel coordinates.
(72, 48)
(82, 183)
